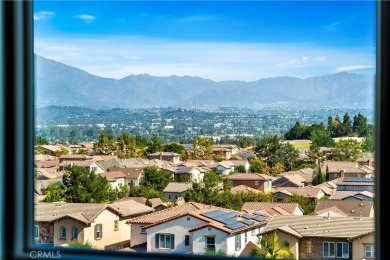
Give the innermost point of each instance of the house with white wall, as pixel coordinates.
(208, 229)
(116, 178)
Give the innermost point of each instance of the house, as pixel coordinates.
(273, 208)
(353, 195)
(40, 185)
(328, 187)
(188, 173)
(261, 182)
(348, 208)
(90, 165)
(102, 225)
(341, 169)
(206, 229)
(314, 237)
(133, 176)
(305, 174)
(198, 163)
(49, 149)
(116, 163)
(75, 157)
(225, 150)
(116, 178)
(52, 163)
(227, 167)
(291, 180)
(175, 190)
(366, 159)
(310, 192)
(138, 224)
(243, 189)
(356, 184)
(165, 156)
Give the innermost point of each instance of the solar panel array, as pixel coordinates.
(247, 216)
(258, 219)
(260, 214)
(235, 225)
(226, 218)
(247, 222)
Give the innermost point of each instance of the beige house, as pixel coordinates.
(165, 156)
(313, 237)
(90, 165)
(175, 190)
(345, 208)
(102, 225)
(133, 175)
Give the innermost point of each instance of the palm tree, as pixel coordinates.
(272, 249)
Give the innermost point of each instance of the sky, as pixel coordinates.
(218, 40)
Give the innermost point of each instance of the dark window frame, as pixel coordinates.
(17, 139)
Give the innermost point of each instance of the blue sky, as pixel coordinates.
(215, 40)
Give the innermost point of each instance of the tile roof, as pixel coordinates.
(141, 200)
(197, 163)
(337, 166)
(156, 202)
(288, 180)
(130, 208)
(306, 191)
(177, 187)
(308, 177)
(273, 208)
(243, 189)
(40, 185)
(77, 163)
(112, 175)
(350, 208)
(356, 182)
(226, 164)
(52, 148)
(75, 156)
(84, 212)
(47, 163)
(314, 226)
(341, 195)
(44, 157)
(330, 212)
(249, 176)
(162, 215)
(164, 154)
(130, 173)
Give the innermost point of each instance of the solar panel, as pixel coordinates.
(260, 214)
(353, 179)
(228, 221)
(247, 216)
(258, 219)
(235, 225)
(213, 213)
(246, 222)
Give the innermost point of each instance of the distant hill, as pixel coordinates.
(63, 85)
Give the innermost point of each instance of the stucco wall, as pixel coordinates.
(199, 240)
(358, 246)
(291, 240)
(136, 236)
(179, 227)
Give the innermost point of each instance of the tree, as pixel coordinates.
(272, 249)
(359, 125)
(369, 143)
(308, 205)
(318, 177)
(39, 140)
(155, 145)
(321, 138)
(257, 165)
(346, 150)
(202, 149)
(61, 152)
(298, 131)
(54, 192)
(122, 191)
(83, 186)
(173, 147)
(155, 178)
(127, 146)
(240, 168)
(105, 144)
(346, 126)
(76, 244)
(272, 150)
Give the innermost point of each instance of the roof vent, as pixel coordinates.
(361, 204)
(353, 211)
(360, 216)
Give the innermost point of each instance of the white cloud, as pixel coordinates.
(197, 18)
(354, 68)
(120, 56)
(333, 27)
(43, 15)
(86, 17)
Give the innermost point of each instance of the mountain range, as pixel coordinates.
(63, 85)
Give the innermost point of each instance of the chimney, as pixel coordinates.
(328, 215)
(342, 173)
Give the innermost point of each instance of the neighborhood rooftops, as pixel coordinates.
(249, 176)
(356, 181)
(349, 208)
(314, 226)
(177, 187)
(112, 175)
(273, 208)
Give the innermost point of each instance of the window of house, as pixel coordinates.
(165, 241)
(75, 233)
(246, 237)
(98, 231)
(169, 196)
(187, 240)
(253, 232)
(210, 243)
(238, 241)
(36, 231)
(329, 249)
(94, 169)
(309, 247)
(257, 183)
(342, 250)
(143, 230)
(63, 233)
(188, 218)
(116, 227)
(176, 196)
(369, 251)
(286, 244)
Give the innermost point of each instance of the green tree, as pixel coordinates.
(202, 149)
(308, 205)
(240, 168)
(257, 165)
(155, 145)
(127, 147)
(346, 150)
(61, 152)
(54, 192)
(369, 143)
(346, 126)
(123, 191)
(298, 131)
(318, 177)
(272, 248)
(76, 244)
(321, 138)
(105, 145)
(155, 178)
(359, 125)
(83, 186)
(173, 147)
(39, 140)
